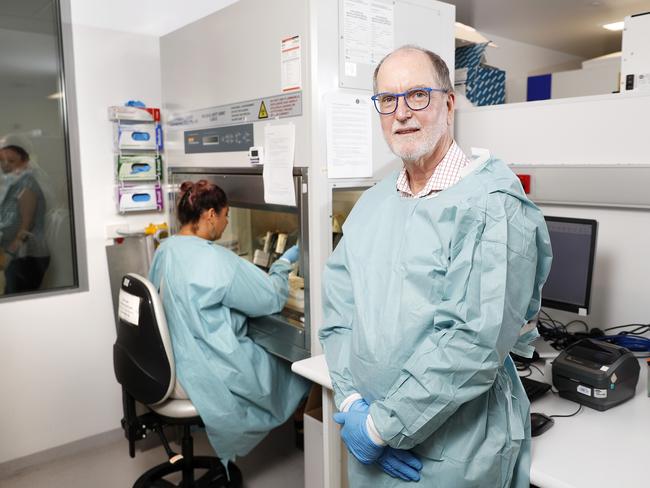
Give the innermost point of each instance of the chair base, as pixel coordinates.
(214, 477)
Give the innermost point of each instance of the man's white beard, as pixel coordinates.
(428, 137)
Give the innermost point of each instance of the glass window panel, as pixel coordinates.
(37, 251)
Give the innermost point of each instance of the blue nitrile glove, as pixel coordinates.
(292, 254)
(355, 434)
(400, 464)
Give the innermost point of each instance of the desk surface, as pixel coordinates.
(591, 450)
(314, 369)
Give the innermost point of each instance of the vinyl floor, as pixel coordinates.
(275, 463)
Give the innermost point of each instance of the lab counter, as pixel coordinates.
(590, 450)
(314, 369)
(593, 449)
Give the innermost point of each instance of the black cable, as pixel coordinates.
(556, 333)
(525, 370)
(554, 323)
(582, 322)
(553, 331)
(521, 366)
(571, 415)
(640, 329)
(540, 371)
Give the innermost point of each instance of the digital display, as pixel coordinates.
(210, 140)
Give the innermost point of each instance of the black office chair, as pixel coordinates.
(144, 365)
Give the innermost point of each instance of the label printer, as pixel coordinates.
(597, 374)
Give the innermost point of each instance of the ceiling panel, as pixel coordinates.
(570, 26)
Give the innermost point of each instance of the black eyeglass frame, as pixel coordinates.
(375, 98)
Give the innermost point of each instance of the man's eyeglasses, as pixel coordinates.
(415, 98)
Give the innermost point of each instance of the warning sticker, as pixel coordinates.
(276, 107)
(262, 114)
(290, 64)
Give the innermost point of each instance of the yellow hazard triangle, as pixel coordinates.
(263, 114)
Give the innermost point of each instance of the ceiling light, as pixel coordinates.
(55, 96)
(615, 26)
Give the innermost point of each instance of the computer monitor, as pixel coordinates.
(568, 286)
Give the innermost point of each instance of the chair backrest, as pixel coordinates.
(143, 359)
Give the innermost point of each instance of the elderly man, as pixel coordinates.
(440, 266)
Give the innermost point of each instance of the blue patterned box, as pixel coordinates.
(470, 56)
(485, 84)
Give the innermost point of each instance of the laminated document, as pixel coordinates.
(279, 148)
(349, 136)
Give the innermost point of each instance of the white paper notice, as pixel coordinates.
(290, 64)
(356, 31)
(129, 308)
(279, 147)
(382, 27)
(368, 30)
(349, 136)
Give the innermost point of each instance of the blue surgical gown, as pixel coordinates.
(423, 301)
(240, 391)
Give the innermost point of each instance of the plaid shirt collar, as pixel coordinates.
(446, 174)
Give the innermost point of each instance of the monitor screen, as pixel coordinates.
(568, 286)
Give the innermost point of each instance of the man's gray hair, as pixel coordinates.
(440, 69)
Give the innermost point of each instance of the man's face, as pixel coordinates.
(413, 135)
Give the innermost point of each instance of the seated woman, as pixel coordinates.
(25, 255)
(240, 391)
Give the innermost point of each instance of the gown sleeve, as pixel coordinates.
(255, 293)
(493, 274)
(338, 313)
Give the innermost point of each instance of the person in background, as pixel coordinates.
(440, 266)
(22, 223)
(240, 391)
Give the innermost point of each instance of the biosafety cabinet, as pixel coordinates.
(260, 232)
(229, 77)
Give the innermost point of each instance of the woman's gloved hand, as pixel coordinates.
(292, 254)
(400, 464)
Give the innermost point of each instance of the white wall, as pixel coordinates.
(519, 60)
(56, 353)
(597, 129)
(597, 80)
